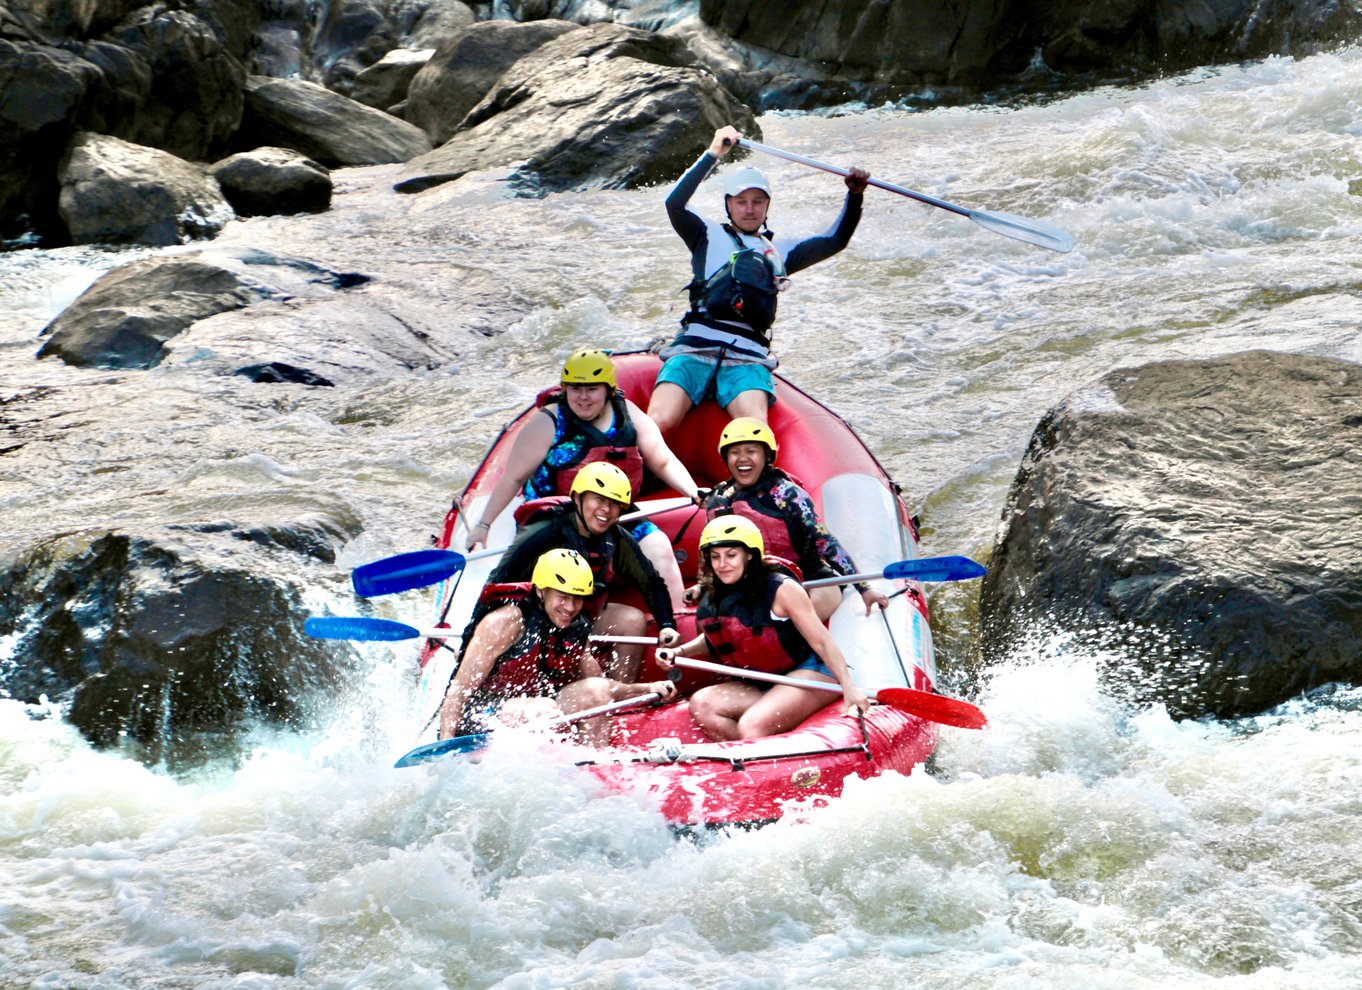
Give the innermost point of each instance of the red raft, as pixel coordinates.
(660, 750)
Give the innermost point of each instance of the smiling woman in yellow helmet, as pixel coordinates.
(783, 511)
(753, 615)
(738, 268)
(588, 421)
(530, 656)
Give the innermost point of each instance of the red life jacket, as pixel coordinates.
(542, 660)
(755, 503)
(619, 446)
(742, 632)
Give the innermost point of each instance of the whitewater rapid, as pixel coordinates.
(1074, 844)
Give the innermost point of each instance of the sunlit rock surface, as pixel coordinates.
(1200, 522)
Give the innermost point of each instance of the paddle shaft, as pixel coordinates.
(755, 675)
(790, 156)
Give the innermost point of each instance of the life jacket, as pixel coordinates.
(541, 661)
(755, 503)
(599, 551)
(742, 632)
(577, 443)
(744, 291)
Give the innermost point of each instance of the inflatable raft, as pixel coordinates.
(660, 750)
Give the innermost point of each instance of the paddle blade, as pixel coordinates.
(933, 707)
(935, 569)
(358, 627)
(405, 571)
(1022, 229)
(445, 747)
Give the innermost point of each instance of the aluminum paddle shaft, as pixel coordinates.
(1017, 228)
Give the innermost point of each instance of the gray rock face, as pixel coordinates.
(466, 67)
(116, 192)
(273, 181)
(324, 126)
(422, 24)
(385, 83)
(1201, 523)
(604, 106)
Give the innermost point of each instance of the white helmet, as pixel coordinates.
(745, 178)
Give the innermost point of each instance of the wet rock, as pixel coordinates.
(323, 125)
(603, 106)
(385, 83)
(1198, 523)
(466, 67)
(126, 318)
(273, 181)
(116, 192)
(156, 638)
(278, 373)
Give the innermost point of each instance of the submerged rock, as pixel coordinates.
(1198, 523)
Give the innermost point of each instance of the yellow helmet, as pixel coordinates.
(604, 478)
(589, 368)
(746, 429)
(732, 531)
(565, 570)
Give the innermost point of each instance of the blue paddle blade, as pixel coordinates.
(405, 571)
(358, 627)
(445, 747)
(936, 569)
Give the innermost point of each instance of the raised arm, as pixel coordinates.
(686, 223)
(528, 451)
(815, 249)
(658, 456)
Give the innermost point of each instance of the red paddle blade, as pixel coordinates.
(933, 707)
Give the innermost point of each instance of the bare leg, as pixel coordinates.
(754, 402)
(621, 662)
(578, 696)
(717, 708)
(669, 405)
(658, 549)
(784, 707)
(825, 601)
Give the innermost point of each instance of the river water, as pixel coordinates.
(1074, 844)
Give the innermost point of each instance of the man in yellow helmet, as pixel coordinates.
(589, 524)
(530, 656)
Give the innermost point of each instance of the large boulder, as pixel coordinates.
(324, 126)
(116, 192)
(422, 24)
(273, 181)
(466, 67)
(156, 638)
(1198, 526)
(603, 106)
(351, 36)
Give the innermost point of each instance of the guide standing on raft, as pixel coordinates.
(740, 267)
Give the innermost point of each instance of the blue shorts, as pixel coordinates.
(640, 529)
(693, 375)
(816, 665)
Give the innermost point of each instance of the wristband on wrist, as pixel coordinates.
(483, 524)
